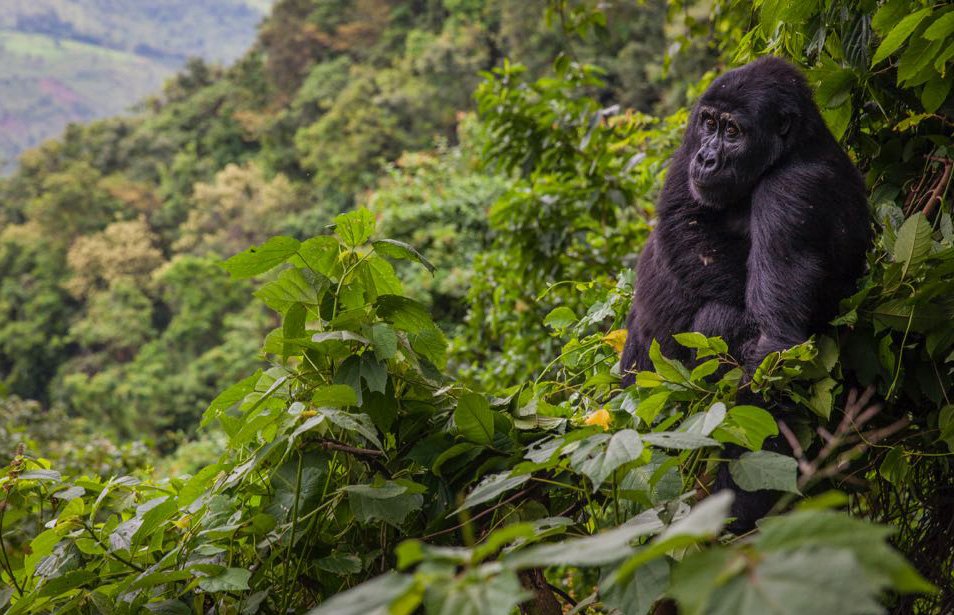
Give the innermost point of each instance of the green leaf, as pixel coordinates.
(692, 340)
(320, 254)
(765, 470)
(229, 397)
(640, 591)
(747, 426)
(936, 90)
(402, 251)
(384, 341)
(707, 518)
(678, 440)
(490, 488)
(261, 258)
(231, 579)
(476, 593)
(942, 27)
(825, 528)
(353, 421)
(913, 243)
(648, 409)
(837, 119)
(291, 287)
(560, 318)
(355, 227)
(600, 462)
(898, 35)
(390, 502)
(373, 597)
(334, 395)
(600, 549)
(475, 419)
(704, 423)
(797, 582)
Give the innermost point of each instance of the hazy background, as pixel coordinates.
(63, 61)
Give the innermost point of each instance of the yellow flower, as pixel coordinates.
(616, 339)
(601, 417)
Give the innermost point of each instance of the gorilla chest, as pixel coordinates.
(710, 259)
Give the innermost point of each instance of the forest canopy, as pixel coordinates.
(336, 329)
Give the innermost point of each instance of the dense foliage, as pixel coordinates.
(361, 457)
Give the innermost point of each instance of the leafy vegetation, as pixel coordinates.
(360, 456)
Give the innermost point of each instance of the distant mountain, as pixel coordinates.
(65, 61)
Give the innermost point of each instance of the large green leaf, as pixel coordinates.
(355, 227)
(390, 502)
(597, 550)
(400, 250)
(898, 35)
(475, 419)
(823, 580)
(765, 470)
(491, 487)
(371, 598)
(599, 462)
(261, 258)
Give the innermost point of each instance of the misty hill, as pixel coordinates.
(64, 61)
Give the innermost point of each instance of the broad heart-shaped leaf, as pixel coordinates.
(491, 487)
(475, 593)
(705, 519)
(746, 426)
(597, 550)
(704, 423)
(229, 397)
(291, 286)
(230, 579)
(597, 464)
(898, 35)
(822, 580)
(913, 243)
(366, 368)
(390, 502)
(320, 254)
(678, 440)
(334, 395)
(402, 251)
(371, 598)
(260, 259)
(560, 318)
(825, 528)
(765, 470)
(640, 591)
(475, 419)
(355, 227)
(353, 421)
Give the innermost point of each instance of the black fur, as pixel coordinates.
(762, 225)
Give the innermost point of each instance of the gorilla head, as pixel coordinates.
(744, 123)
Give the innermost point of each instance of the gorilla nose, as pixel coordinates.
(706, 161)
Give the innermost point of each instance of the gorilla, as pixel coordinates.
(762, 228)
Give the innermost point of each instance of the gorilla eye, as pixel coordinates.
(731, 131)
(710, 123)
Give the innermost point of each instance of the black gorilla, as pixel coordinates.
(763, 225)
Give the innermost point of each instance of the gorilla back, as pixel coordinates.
(763, 223)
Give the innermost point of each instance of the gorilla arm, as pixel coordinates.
(787, 261)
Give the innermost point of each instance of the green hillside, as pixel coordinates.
(65, 61)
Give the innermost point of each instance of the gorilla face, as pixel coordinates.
(730, 158)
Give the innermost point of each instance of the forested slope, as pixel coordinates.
(67, 61)
(406, 372)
